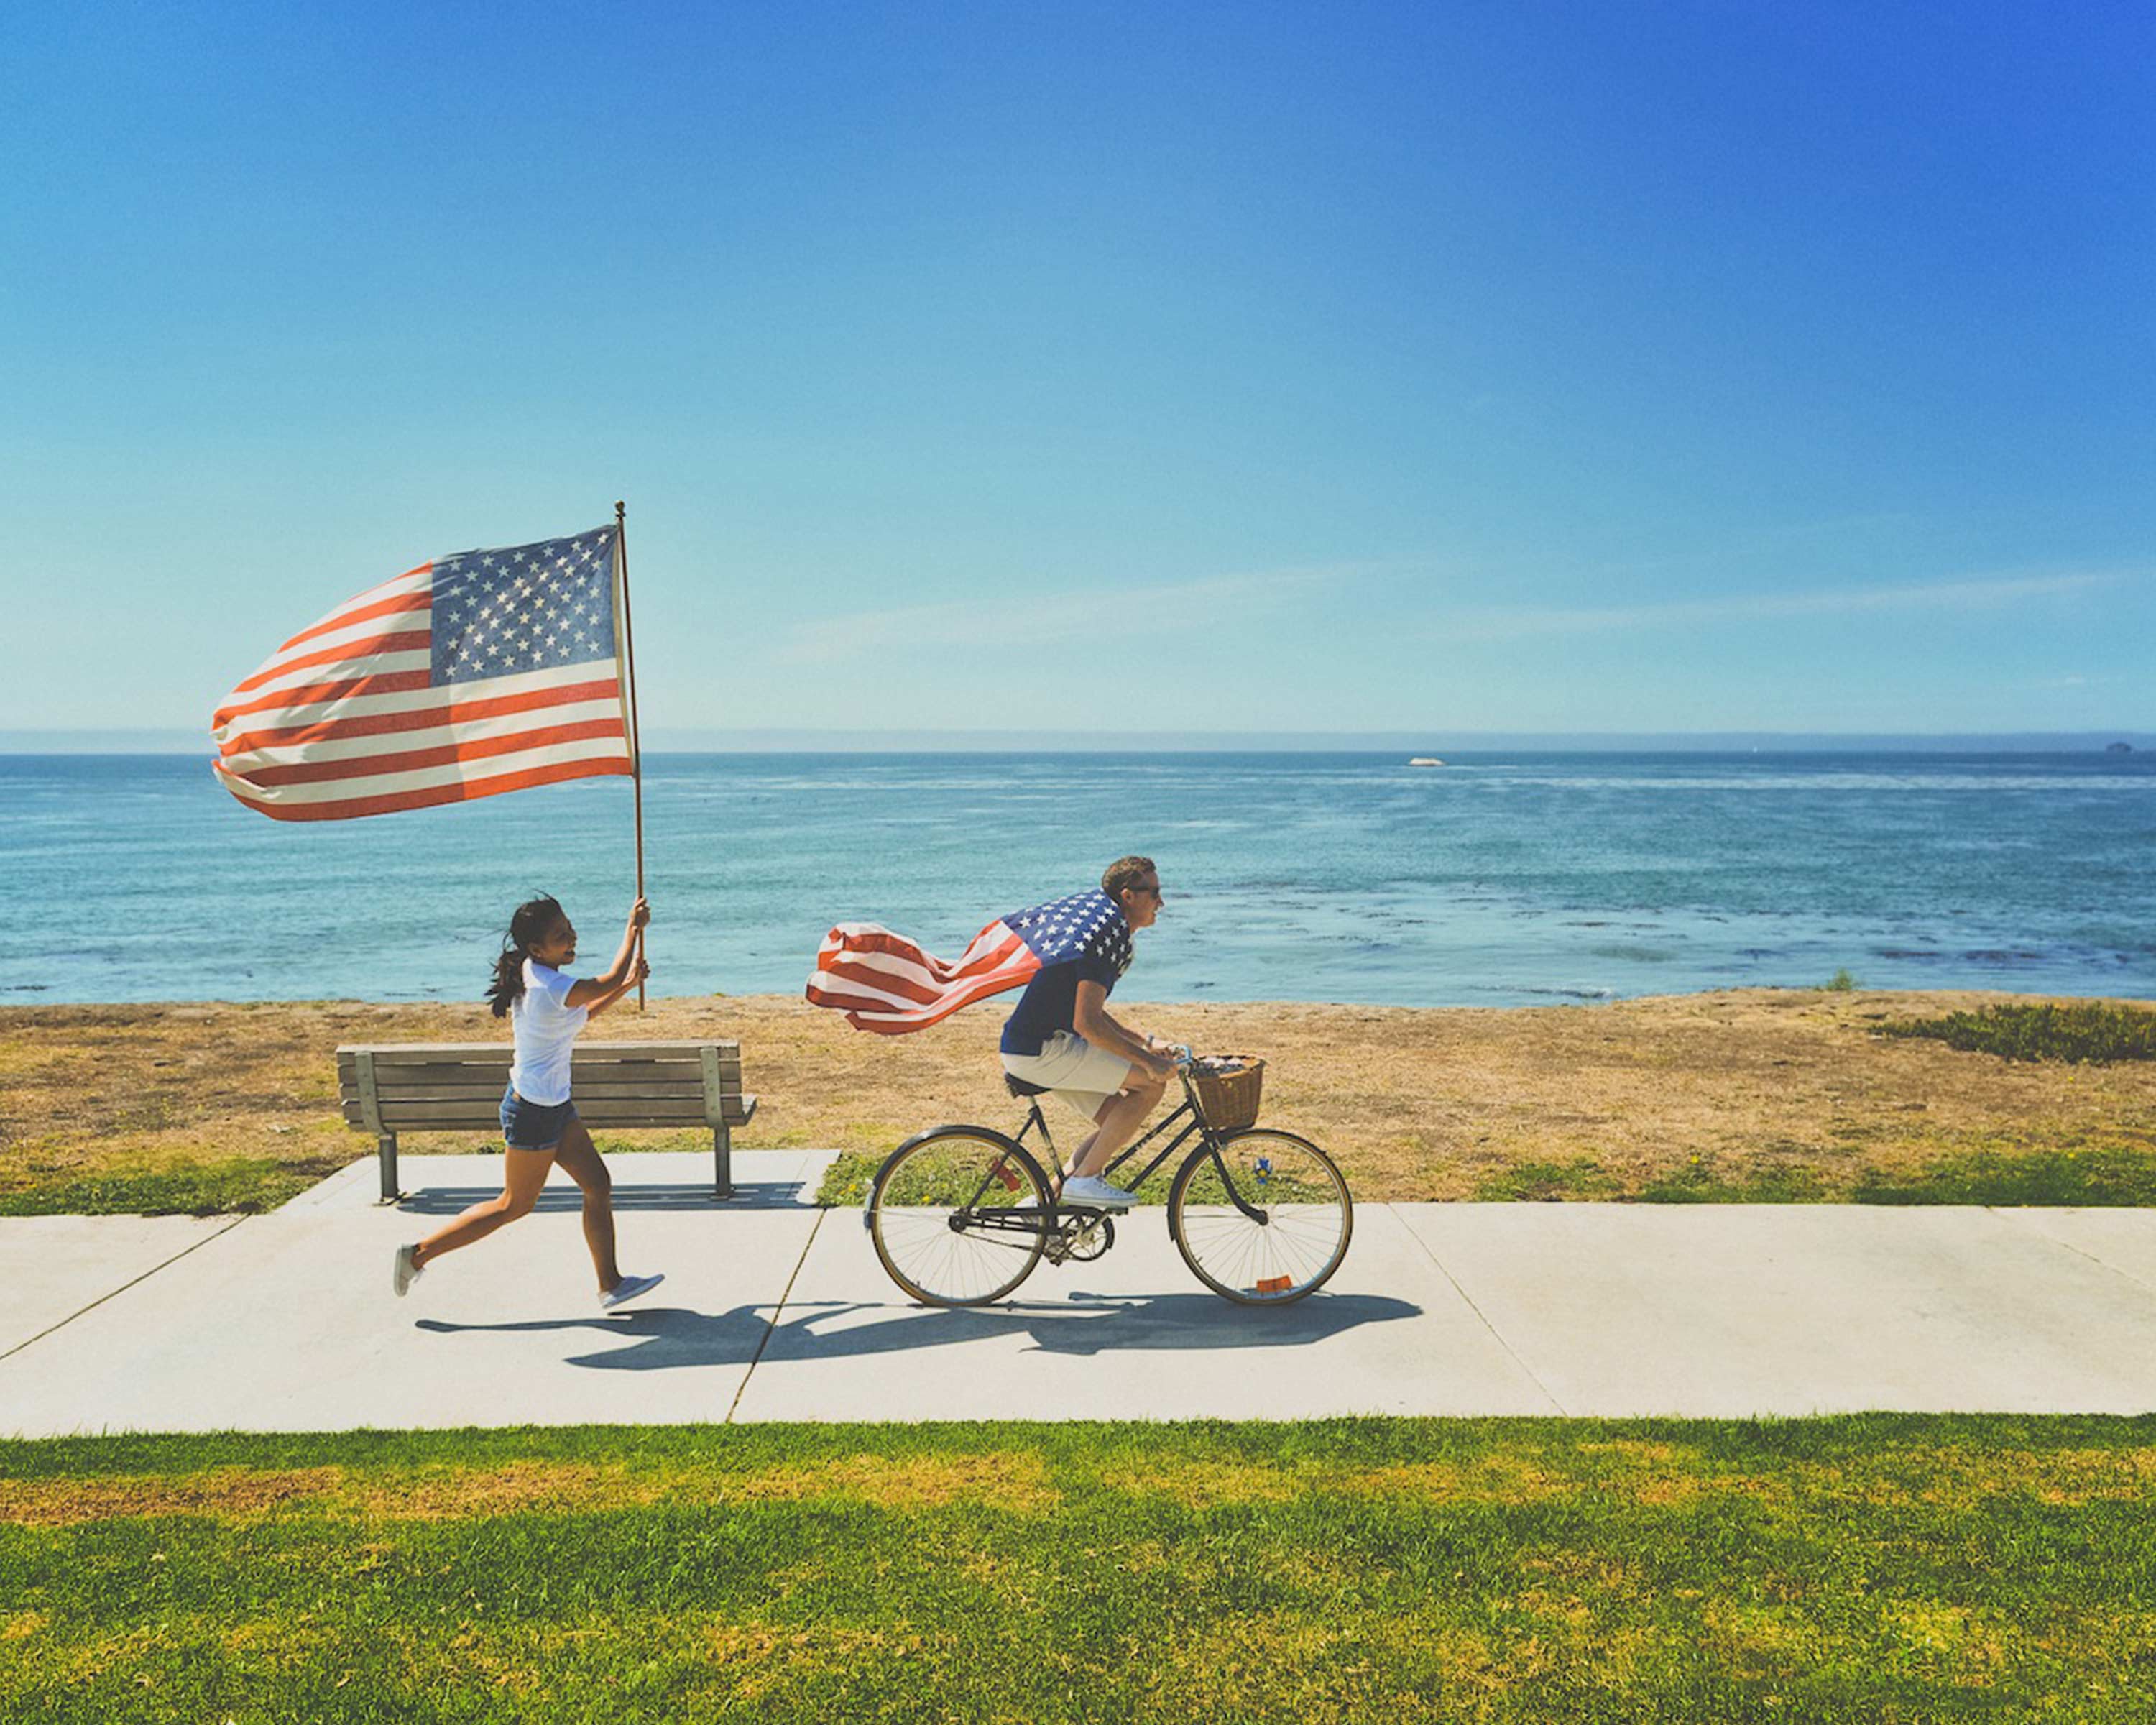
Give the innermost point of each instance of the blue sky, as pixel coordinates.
(1504, 366)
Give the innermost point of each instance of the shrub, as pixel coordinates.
(2096, 1031)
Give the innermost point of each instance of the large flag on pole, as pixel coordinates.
(885, 982)
(485, 672)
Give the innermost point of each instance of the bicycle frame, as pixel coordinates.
(1193, 1125)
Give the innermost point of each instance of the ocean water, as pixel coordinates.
(1498, 880)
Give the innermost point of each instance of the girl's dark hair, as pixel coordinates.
(533, 918)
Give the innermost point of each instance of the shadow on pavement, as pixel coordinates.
(663, 1339)
(695, 1195)
(1091, 1324)
(656, 1339)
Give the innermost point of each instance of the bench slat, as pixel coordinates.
(408, 1096)
(493, 1053)
(486, 1137)
(395, 1053)
(395, 1117)
(450, 1083)
(477, 1071)
(457, 1113)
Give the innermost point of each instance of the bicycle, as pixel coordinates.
(961, 1215)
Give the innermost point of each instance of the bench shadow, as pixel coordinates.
(669, 1338)
(560, 1195)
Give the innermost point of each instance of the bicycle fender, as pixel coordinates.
(950, 1126)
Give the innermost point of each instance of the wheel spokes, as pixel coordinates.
(958, 1219)
(1295, 1239)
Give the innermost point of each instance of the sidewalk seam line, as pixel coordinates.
(2068, 1245)
(116, 1293)
(1496, 1334)
(777, 1312)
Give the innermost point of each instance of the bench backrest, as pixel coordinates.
(446, 1086)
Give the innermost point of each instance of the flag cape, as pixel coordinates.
(885, 982)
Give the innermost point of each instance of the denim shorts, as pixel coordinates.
(533, 1125)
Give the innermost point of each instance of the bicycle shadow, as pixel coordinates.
(1085, 1325)
(672, 1338)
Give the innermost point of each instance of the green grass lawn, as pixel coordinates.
(1870, 1570)
(239, 1184)
(2107, 1174)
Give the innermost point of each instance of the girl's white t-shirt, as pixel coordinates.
(545, 1026)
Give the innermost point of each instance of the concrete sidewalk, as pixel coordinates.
(774, 1310)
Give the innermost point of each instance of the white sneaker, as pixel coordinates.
(405, 1271)
(1092, 1189)
(627, 1289)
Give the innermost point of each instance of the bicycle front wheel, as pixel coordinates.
(959, 1215)
(1286, 1235)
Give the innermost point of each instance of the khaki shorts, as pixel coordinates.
(1075, 1072)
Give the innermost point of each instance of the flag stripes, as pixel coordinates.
(885, 982)
(580, 699)
(293, 806)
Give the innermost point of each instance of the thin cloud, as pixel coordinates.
(1508, 623)
(1044, 618)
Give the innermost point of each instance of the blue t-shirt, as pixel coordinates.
(1050, 1001)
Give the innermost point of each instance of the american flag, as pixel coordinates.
(472, 675)
(885, 982)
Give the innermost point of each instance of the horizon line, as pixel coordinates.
(118, 740)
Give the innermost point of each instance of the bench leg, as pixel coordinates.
(385, 1151)
(722, 1154)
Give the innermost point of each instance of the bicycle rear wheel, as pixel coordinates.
(1296, 1240)
(959, 1215)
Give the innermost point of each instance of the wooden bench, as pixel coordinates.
(455, 1086)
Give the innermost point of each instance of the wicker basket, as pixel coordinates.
(1228, 1087)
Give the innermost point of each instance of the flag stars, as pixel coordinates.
(523, 608)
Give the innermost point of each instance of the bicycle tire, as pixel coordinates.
(950, 1172)
(1278, 1263)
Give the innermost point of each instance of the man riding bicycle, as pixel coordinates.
(1061, 1037)
(960, 1215)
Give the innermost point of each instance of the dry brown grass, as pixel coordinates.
(1415, 1103)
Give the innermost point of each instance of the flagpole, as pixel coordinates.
(635, 741)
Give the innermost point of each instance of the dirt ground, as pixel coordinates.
(1778, 1091)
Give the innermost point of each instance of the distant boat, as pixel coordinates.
(1425, 761)
(2119, 748)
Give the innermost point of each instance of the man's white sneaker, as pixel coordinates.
(627, 1289)
(1092, 1189)
(405, 1271)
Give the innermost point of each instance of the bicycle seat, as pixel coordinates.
(1018, 1087)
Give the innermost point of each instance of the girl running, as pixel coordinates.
(545, 1009)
